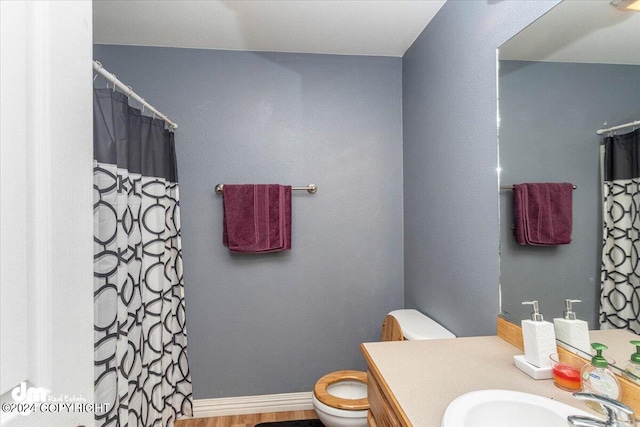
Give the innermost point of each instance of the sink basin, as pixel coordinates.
(505, 408)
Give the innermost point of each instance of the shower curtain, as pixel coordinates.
(620, 274)
(141, 367)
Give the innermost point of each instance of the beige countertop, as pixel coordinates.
(425, 376)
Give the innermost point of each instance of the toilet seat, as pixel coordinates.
(323, 395)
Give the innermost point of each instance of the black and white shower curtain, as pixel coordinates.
(620, 274)
(141, 365)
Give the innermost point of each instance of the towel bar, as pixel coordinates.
(510, 187)
(311, 188)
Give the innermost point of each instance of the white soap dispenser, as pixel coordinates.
(572, 334)
(539, 342)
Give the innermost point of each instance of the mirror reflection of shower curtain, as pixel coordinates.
(620, 273)
(141, 367)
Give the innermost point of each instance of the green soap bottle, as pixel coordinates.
(598, 378)
(632, 370)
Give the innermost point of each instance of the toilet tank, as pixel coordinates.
(417, 326)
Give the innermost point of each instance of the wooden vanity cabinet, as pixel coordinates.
(383, 411)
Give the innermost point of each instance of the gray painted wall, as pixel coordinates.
(275, 323)
(450, 160)
(549, 113)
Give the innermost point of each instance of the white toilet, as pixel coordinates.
(340, 398)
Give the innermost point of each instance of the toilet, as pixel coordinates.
(340, 398)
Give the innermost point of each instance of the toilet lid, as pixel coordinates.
(417, 326)
(321, 393)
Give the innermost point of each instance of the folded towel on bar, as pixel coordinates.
(257, 218)
(543, 213)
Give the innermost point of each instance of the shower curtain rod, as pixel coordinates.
(97, 66)
(626, 125)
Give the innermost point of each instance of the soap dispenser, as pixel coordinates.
(539, 338)
(539, 342)
(632, 370)
(572, 334)
(598, 378)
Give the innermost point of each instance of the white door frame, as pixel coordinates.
(46, 177)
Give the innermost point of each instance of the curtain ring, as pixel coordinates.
(143, 101)
(114, 82)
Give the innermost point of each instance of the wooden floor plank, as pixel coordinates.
(249, 420)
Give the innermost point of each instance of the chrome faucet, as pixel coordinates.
(618, 414)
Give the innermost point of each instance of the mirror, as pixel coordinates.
(571, 72)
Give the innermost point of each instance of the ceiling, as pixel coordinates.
(579, 31)
(347, 27)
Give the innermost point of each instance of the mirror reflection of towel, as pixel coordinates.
(257, 218)
(543, 213)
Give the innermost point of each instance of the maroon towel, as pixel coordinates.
(257, 218)
(543, 213)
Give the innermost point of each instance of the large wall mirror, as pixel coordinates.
(571, 72)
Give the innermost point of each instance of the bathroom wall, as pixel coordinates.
(275, 323)
(272, 324)
(450, 160)
(549, 113)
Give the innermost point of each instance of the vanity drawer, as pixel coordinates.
(379, 407)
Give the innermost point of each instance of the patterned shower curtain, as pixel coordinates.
(620, 274)
(141, 367)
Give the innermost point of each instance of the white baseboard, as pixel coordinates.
(252, 404)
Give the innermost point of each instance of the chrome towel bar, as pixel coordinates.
(311, 188)
(510, 187)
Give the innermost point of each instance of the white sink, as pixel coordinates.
(505, 408)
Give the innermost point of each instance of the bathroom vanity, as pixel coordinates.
(411, 383)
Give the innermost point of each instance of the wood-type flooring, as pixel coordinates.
(249, 420)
